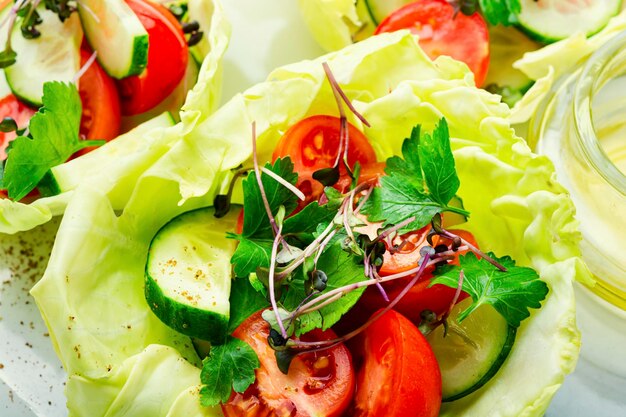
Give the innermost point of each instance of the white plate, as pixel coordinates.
(266, 34)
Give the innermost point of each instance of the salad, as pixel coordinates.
(118, 353)
(489, 36)
(64, 60)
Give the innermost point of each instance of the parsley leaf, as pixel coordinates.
(342, 269)
(438, 164)
(54, 131)
(255, 221)
(420, 184)
(255, 242)
(230, 365)
(245, 301)
(511, 292)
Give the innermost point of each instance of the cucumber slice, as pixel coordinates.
(5, 90)
(188, 274)
(552, 20)
(473, 351)
(507, 45)
(380, 9)
(110, 158)
(53, 56)
(112, 29)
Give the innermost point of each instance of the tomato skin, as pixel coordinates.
(167, 59)
(101, 118)
(313, 143)
(318, 384)
(11, 107)
(397, 372)
(422, 296)
(462, 37)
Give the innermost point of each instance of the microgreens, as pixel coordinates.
(26, 10)
(313, 264)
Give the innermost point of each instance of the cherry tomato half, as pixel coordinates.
(318, 384)
(397, 372)
(462, 37)
(422, 296)
(101, 117)
(167, 59)
(11, 107)
(313, 143)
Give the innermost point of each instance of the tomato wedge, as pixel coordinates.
(318, 384)
(167, 59)
(422, 296)
(11, 107)
(313, 143)
(101, 118)
(462, 37)
(397, 372)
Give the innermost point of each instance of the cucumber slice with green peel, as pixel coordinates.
(552, 20)
(380, 9)
(115, 32)
(53, 56)
(5, 90)
(473, 351)
(112, 159)
(188, 273)
(507, 44)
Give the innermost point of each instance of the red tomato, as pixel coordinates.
(101, 117)
(318, 384)
(11, 107)
(167, 59)
(313, 143)
(441, 33)
(420, 297)
(397, 373)
(407, 257)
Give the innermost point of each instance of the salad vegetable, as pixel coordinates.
(115, 167)
(459, 29)
(114, 349)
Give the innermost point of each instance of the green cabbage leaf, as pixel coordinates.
(116, 351)
(560, 59)
(114, 168)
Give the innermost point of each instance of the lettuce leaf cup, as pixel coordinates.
(121, 360)
(114, 167)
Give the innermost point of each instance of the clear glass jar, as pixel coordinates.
(581, 126)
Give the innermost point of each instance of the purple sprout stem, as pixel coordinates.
(395, 228)
(329, 343)
(364, 199)
(333, 82)
(277, 240)
(474, 249)
(351, 287)
(257, 173)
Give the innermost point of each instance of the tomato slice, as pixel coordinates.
(318, 384)
(422, 296)
(462, 37)
(313, 143)
(101, 118)
(11, 107)
(167, 59)
(397, 372)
